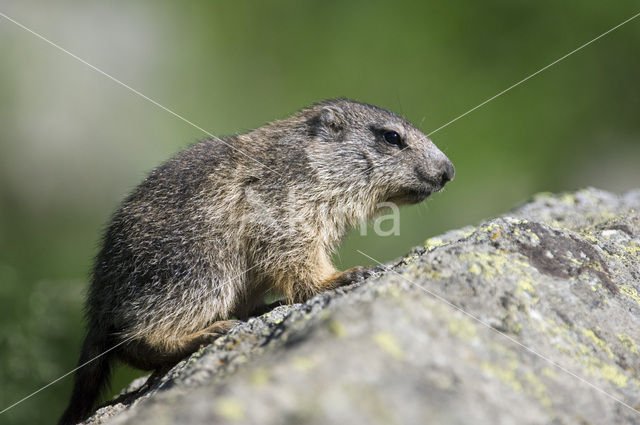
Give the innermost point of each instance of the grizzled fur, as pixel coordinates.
(208, 233)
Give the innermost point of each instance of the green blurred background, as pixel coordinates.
(73, 143)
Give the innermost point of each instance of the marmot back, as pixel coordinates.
(208, 233)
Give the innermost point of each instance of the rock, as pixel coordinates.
(529, 318)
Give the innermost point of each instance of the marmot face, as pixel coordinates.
(371, 144)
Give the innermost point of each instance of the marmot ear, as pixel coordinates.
(332, 117)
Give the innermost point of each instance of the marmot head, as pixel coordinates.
(362, 146)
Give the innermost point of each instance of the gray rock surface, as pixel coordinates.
(529, 318)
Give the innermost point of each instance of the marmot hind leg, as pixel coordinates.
(143, 354)
(265, 308)
(352, 275)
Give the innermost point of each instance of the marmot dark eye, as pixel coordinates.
(392, 138)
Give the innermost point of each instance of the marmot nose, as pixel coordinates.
(447, 173)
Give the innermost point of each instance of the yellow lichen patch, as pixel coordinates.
(433, 243)
(303, 364)
(443, 382)
(575, 261)
(506, 369)
(229, 409)
(600, 343)
(337, 329)
(475, 269)
(532, 235)
(393, 291)
(628, 343)
(490, 227)
(630, 292)
(633, 248)
(421, 271)
(594, 265)
(568, 198)
(388, 343)
(559, 334)
(505, 374)
(260, 377)
(567, 343)
(410, 260)
(608, 371)
(556, 223)
(590, 238)
(434, 275)
(549, 373)
(525, 285)
(468, 233)
(517, 328)
(462, 328)
(536, 388)
(492, 265)
(598, 367)
(553, 328)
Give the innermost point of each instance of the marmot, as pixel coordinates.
(209, 232)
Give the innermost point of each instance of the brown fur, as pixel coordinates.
(206, 234)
